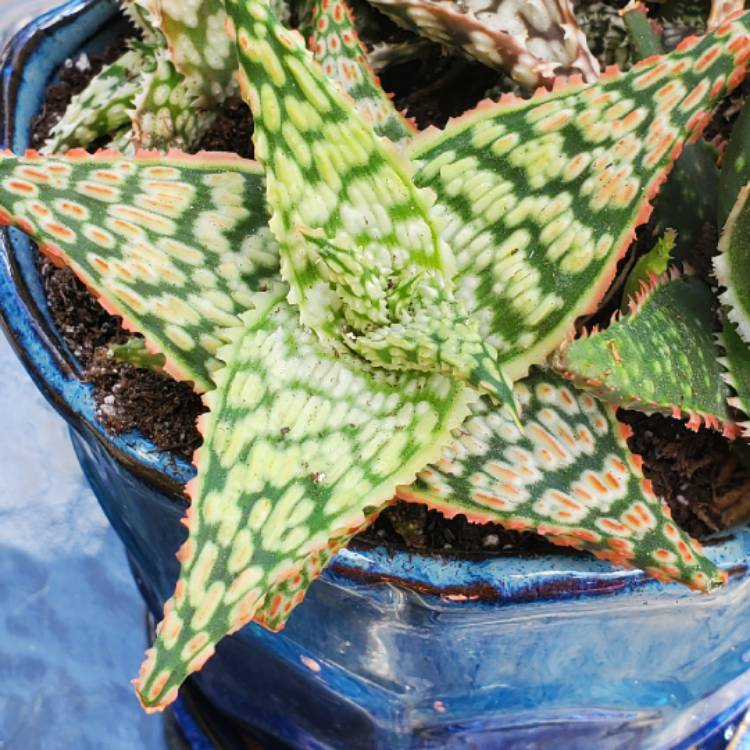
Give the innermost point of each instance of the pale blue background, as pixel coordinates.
(71, 621)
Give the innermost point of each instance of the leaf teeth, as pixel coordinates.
(299, 449)
(533, 214)
(661, 357)
(569, 476)
(128, 229)
(507, 41)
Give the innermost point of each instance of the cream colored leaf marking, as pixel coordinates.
(302, 445)
(166, 112)
(540, 198)
(533, 43)
(175, 245)
(358, 246)
(335, 44)
(102, 108)
(198, 46)
(569, 476)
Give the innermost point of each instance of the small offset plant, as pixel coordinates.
(373, 313)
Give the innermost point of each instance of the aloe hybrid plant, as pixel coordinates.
(372, 314)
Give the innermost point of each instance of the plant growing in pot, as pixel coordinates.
(357, 314)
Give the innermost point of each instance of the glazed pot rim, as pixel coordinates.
(55, 372)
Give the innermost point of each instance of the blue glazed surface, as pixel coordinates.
(400, 651)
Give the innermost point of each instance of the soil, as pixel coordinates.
(700, 474)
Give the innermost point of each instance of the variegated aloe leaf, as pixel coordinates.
(736, 362)
(302, 444)
(102, 108)
(198, 46)
(337, 47)
(735, 170)
(721, 10)
(569, 476)
(175, 245)
(694, 180)
(533, 42)
(139, 12)
(358, 245)
(661, 357)
(732, 264)
(166, 112)
(542, 197)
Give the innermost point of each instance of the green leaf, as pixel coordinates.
(661, 357)
(166, 114)
(541, 198)
(199, 47)
(351, 226)
(654, 263)
(736, 362)
(693, 183)
(336, 46)
(102, 108)
(732, 264)
(532, 44)
(642, 34)
(300, 440)
(735, 170)
(569, 476)
(135, 352)
(174, 245)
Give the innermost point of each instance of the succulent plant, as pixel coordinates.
(356, 312)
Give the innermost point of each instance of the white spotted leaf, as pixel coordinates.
(569, 476)
(174, 245)
(354, 233)
(660, 357)
(541, 197)
(301, 446)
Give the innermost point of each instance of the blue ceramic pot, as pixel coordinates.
(402, 651)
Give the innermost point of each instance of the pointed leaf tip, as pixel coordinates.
(302, 445)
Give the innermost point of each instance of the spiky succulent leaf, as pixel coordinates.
(735, 170)
(661, 357)
(694, 179)
(732, 264)
(198, 45)
(140, 14)
(642, 34)
(358, 245)
(337, 47)
(569, 476)
(736, 361)
(166, 113)
(654, 263)
(175, 245)
(721, 10)
(692, 183)
(532, 42)
(542, 197)
(301, 445)
(101, 109)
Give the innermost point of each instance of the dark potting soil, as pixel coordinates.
(699, 474)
